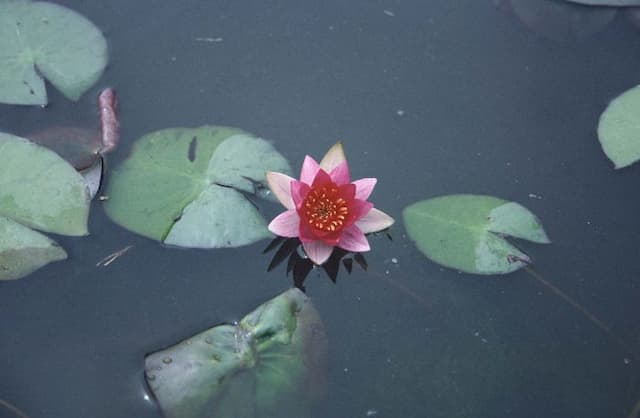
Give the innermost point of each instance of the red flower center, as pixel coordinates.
(325, 209)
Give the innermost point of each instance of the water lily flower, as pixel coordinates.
(325, 209)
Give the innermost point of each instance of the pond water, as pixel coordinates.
(432, 98)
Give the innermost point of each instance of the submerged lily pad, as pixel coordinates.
(562, 21)
(38, 189)
(79, 146)
(270, 364)
(40, 39)
(185, 186)
(613, 3)
(465, 232)
(619, 129)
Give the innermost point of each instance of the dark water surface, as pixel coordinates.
(431, 97)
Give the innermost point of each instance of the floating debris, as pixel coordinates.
(112, 257)
(208, 39)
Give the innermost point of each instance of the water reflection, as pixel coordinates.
(299, 265)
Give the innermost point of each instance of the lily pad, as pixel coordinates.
(612, 3)
(93, 177)
(466, 232)
(40, 39)
(270, 364)
(619, 129)
(23, 250)
(79, 146)
(562, 21)
(38, 189)
(187, 186)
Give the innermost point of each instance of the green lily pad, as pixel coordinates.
(39, 39)
(619, 129)
(465, 232)
(38, 189)
(270, 364)
(186, 187)
(23, 250)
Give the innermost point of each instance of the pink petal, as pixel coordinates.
(347, 191)
(306, 234)
(333, 158)
(322, 178)
(280, 185)
(364, 187)
(340, 174)
(317, 251)
(354, 240)
(287, 224)
(309, 170)
(299, 192)
(359, 209)
(374, 221)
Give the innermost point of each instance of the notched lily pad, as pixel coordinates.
(38, 189)
(40, 39)
(188, 186)
(270, 364)
(619, 129)
(466, 232)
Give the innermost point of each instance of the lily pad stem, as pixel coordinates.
(591, 317)
(635, 412)
(13, 409)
